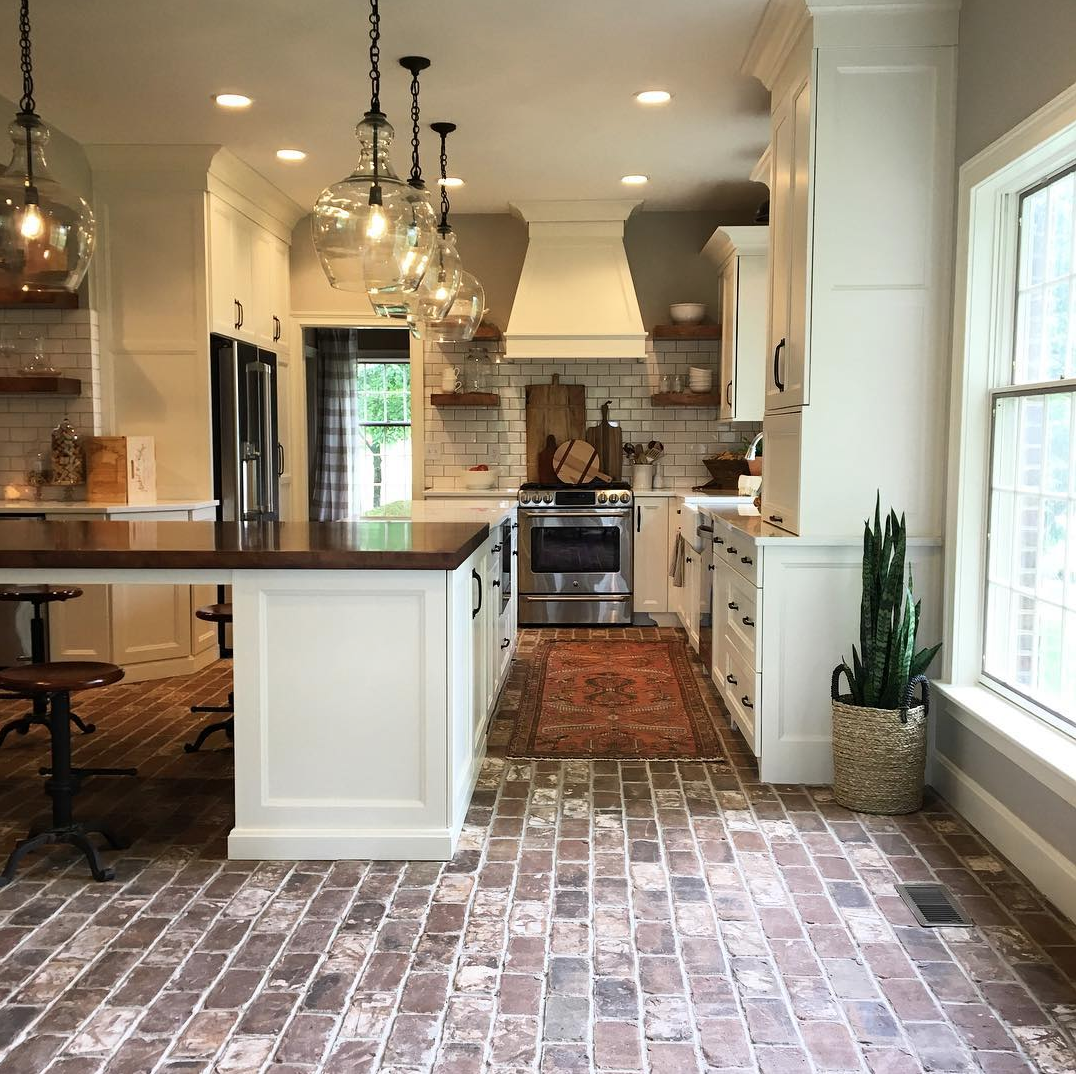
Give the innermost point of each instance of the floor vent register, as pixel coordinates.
(933, 906)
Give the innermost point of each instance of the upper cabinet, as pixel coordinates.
(741, 254)
(861, 178)
(248, 277)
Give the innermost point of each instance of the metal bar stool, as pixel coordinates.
(214, 613)
(38, 595)
(54, 683)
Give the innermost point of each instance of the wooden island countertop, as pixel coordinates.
(357, 545)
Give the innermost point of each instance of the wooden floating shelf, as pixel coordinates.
(488, 333)
(40, 386)
(686, 331)
(695, 399)
(52, 300)
(465, 399)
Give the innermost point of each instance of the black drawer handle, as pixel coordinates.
(638, 518)
(779, 384)
(688, 559)
(747, 621)
(495, 583)
(746, 702)
(495, 548)
(746, 559)
(776, 518)
(728, 393)
(710, 567)
(505, 643)
(478, 578)
(733, 606)
(731, 679)
(719, 540)
(732, 551)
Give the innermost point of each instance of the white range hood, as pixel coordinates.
(575, 297)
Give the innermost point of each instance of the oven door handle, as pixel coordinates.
(598, 512)
(618, 598)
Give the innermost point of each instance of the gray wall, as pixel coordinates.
(1014, 57)
(663, 252)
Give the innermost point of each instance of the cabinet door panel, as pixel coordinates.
(781, 470)
(796, 353)
(79, 629)
(729, 330)
(150, 622)
(780, 249)
(651, 555)
(222, 297)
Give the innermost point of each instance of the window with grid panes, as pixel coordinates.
(1030, 622)
(384, 423)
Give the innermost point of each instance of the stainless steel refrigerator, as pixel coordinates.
(248, 457)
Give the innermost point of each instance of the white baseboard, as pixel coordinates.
(253, 844)
(167, 669)
(1041, 862)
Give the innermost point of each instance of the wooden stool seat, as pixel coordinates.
(65, 675)
(39, 594)
(52, 684)
(215, 613)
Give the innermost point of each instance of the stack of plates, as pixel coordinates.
(700, 380)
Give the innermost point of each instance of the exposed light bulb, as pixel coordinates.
(376, 225)
(32, 225)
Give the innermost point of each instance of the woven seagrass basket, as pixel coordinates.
(879, 755)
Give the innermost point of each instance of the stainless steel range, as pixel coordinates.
(575, 554)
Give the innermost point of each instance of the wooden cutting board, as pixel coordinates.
(576, 462)
(607, 438)
(554, 409)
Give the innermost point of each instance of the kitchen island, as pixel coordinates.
(354, 699)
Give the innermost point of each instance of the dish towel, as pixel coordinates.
(676, 567)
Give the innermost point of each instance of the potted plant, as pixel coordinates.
(879, 735)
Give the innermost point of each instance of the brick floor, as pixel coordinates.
(657, 917)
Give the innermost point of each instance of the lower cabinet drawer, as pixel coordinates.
(741, 686)
(734, 547)
(740, 619)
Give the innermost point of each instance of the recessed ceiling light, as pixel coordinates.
(635, 180)
(654, 96)
(233, 100)
(290, 154)
(451, 180)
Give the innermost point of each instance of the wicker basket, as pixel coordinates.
(879, 755)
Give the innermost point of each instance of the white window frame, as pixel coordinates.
(991, 185)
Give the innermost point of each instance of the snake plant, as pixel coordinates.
(886, 661)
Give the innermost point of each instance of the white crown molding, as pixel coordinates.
(760, 173)
(777, 32)
(563, 212)
(747, 240)
(261, 196)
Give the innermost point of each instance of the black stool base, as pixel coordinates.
(22, 725)
(227, 726)
(76, 835)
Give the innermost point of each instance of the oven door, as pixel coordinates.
(575, 553)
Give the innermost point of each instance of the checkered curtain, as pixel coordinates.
(334, 492)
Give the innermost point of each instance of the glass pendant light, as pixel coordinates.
(399, 300)
(369, 231)
(459, 322)
(46, 231)
(439, 286)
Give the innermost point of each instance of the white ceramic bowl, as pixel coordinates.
(479, 479)
(687, 312)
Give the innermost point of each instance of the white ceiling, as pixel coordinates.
(542, 90)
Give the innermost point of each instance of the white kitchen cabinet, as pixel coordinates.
(481, 633)
(742, 255)
(204, 636)
(677, 597)
(650, 554)
(231, 270)
(690, 601)
(781, 470)
(270, 296)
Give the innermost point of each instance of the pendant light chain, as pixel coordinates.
(444, 175)
(416, 163)
(375, 57)
(27, 105)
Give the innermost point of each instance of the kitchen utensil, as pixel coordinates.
(606, 439)
(642, 476)
(554, 409)
(479, 479)
(654, 451)
(629, 452)
(546, 474)
(576, 462)
(687, 312)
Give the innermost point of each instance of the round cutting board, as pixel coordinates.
(575, 462)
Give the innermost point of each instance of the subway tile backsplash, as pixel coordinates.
(463, 436)
(70, 339)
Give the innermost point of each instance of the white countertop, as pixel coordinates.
(62, 507)
(685, 492)
(491, 511)
(748, 521)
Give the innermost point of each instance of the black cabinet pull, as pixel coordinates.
(277, 329)
(495, 548)
(238, 313)
(505, 643)
(776, 518)
(732, 551)
(478, 578)
(495, 583)
(733, 606)
(719, 540)
(638, 519)
(728, 393)
(746, 559)
(746, 702)
(778, 382)
(731, 679)
(688, 559)
(280, 460)
(710, 567)
(704, 529)
(747, 620)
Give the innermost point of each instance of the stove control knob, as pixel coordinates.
(602, 497)
(548, 497)
(524, 497)
(623, 497)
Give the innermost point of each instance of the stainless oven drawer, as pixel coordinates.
(575, 553)
(568, 611)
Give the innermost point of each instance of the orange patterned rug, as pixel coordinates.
(613, 700)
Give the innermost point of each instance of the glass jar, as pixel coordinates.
(38, 471)
(476, 370)
(66, 455)
(35, 362)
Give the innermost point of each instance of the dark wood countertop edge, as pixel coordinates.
(248, 559)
